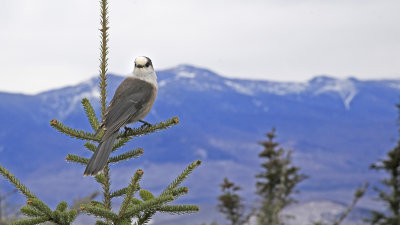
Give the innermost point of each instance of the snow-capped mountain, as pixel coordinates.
(336, 127)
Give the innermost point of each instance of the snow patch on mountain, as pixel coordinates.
(345, 88)
(186, 74)
(77, 99)
(284, 88)
(64, 103)
(246, 90)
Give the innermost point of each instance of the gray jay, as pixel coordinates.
(132, 101)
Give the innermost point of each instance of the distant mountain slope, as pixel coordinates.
(336, 127)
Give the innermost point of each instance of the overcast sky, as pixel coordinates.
(50, 43)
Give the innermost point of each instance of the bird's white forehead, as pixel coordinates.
(141, 60)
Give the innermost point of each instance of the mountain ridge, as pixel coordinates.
(336, 127)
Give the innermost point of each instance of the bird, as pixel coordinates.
(131, 103)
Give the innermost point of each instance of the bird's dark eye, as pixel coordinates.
(148, 64)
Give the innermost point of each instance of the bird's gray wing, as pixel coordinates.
(128, 99)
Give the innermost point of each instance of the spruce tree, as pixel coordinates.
(277, 182)
(138, 205)
(230, 203)
(389, 193)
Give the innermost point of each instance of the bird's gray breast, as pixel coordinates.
(132, 101)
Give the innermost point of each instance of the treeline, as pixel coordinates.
(276, 187)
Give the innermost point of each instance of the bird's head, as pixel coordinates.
(143, 63)
(144, 69)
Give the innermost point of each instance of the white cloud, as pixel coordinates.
(47, 44)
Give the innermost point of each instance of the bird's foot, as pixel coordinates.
(127, 130)
(145, 124)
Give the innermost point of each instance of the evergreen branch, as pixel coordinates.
(359, 193)
(179, 209)
(130, 192)
(178, 192)
(140, 131)
(136, 201)
(100, 212)
(62, 206)
(100, 178)
(103, 93)
(103, 56)
(58, 216)
(123, 137)
(30, 211)
(77, 159)
(39, 205)
(12, 179)
(32, 221)
(90, 146)
(121, 142)
(79, 134)
(181, 177)
(99, 222)
(145, 218)
(127, 155)
(94, 122)
(97, 204)
(106, 187)
(148, 205)
(119, 192)
(71, 215)
(146, 195)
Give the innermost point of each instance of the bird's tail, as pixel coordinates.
(100, 156)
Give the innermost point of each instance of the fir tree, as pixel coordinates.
(138, 204)
(390, 191)
(231, 203)
(277, 182)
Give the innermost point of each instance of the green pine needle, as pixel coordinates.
(78, 159)
(130, 192)
(121, 142)
(100, 212)
(178, 192)
(90, 146)
(148, 205)
(39, 205)
(100, 178)
(135, 132)
(71, 214)
(62, 206)
(99, 222)
(127, 155)
(125, 138)
(181, 177)
(94, 122)
(79, 134)
(33, 221)
(179, 209)
(97, 204)
(30, 211)
(146, 195)
(12, 179)
(119, 192)
(136, 201)
(103, 55)
(58, 216)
